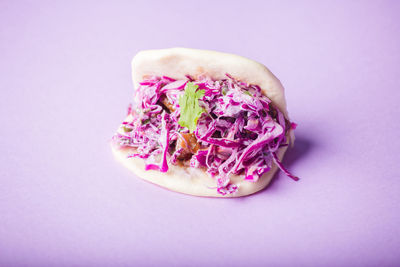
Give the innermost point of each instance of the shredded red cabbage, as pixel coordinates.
(238, 133)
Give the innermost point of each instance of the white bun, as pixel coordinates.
(176, 63)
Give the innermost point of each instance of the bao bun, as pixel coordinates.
(177, 63)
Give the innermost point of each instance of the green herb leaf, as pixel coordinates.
(190, 109)
(247, 93)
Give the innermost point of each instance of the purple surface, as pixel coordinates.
(65, 85)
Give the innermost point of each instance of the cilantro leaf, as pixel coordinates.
(189, 104)
(247, 93)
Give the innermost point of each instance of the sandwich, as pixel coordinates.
(204, 123)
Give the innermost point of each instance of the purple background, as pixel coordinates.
(65, 86)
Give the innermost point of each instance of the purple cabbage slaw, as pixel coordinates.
(239, 132)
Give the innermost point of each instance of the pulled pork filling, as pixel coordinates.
(227, 127)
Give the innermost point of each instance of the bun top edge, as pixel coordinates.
(178, 62)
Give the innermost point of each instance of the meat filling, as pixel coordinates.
(188, 145)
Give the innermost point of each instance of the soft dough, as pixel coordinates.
(176, 63)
